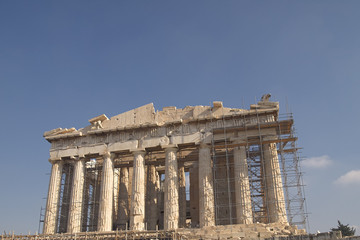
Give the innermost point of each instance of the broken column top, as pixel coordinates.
(146, 116)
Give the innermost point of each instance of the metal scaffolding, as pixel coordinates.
(224, 178)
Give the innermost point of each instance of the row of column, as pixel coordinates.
(172, 218)
(74, 216)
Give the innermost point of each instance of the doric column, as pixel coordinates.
(76, 197)
(274, 193)
(242, 187)
(52, 203)
(171, 190)
(137, 212)
(106, 194)
(151, 198)
(182, 197)
(206, 190)
(123, 211)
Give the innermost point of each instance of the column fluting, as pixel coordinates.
(137, 212)
(123, 202)
(106, 194)
(242, 187)
(151, 208)
(274, 193)
(206, 188)
(76, 197)
(52, 203)
(171, 190)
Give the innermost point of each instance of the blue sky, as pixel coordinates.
(64, 62)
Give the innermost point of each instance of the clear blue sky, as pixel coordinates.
(64, 62)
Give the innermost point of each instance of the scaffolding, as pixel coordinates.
(224, 178)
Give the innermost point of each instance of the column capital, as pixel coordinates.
(53, 161)
(74, 159)
(107, 154)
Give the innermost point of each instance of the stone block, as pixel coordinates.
(70, 152)
(92, 149)
(154, 142)
(121, 146)
(54, 155)
(189, 138)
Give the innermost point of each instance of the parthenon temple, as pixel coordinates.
(199, 167)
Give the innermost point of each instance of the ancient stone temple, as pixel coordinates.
(199, 167)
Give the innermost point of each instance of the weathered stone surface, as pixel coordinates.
(137, 116)
(151, 208)
(145, 116)
(106, 194)
(242, 187)
(121, 146)
(171, 191)
(123, 199)
(274, 193)
(50, 221)
(76, 199)
(137, 212)
(206, 189)
(153, 142)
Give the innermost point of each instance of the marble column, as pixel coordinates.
(206, 189)
(274, 193)
(242, 187)
(137, 212)
(76, 197)
(106, 194)
(171, 189)
(182, 197)
(123, 209)
(151, 210)
(52, 203)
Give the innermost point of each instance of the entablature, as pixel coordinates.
(101, 135)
